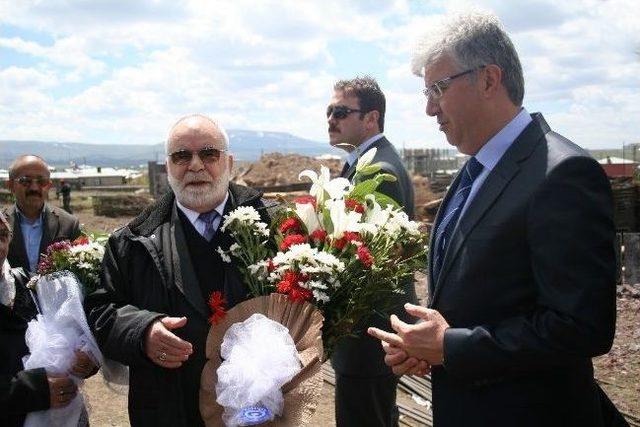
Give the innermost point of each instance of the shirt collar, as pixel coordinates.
(491, 153)
(360, 149)
(193, 216)
(24, 219)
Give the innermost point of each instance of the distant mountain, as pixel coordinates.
(245, 145)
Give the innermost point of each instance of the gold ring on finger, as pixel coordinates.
(61, 392)
(162, 357)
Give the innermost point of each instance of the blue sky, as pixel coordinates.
(122, 71)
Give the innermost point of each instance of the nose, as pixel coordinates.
(433, 107)
(196, 163)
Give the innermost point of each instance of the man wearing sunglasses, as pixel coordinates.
(150, 311)
(522, 267)
(36, 224)
(365, 386)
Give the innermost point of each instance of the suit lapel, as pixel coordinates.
(185, 277)
(493, 186)
(16, 247)
(50, 226)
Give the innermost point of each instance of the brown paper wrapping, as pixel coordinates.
(302, 393)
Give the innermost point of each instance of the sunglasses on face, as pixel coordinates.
(27, 181)
(339, 112)
(206, 155)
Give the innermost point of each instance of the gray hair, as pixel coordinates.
(471, 41)
(215, 122)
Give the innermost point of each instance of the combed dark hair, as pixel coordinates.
(471, 41)
(369, 95)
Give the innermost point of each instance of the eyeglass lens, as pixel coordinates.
(27, 180)
(207, 155)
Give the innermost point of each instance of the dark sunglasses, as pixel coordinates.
(27, 181)
(207, 155)
(340, 111)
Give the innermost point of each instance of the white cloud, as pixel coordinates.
(120, 71)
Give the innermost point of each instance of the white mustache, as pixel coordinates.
(191, 177)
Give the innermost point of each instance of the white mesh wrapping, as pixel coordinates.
(53, 337)
(259, 357)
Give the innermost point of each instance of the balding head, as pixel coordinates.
(31, 161)
(198, 125)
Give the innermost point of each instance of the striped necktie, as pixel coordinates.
(452, 213)
(208, 218)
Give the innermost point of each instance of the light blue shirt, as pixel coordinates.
(194, 217)
(362, 148)
(32, 236)
(491, 153)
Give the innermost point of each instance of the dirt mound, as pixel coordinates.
(282, 169)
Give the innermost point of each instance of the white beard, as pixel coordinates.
(204, 197)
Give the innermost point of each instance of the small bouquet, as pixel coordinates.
(67, 271)
(342, 249)
(82, 257)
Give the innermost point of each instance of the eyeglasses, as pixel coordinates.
(436, 90)
(339, 112)
(207, 155)
(27, 181)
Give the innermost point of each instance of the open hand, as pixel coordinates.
(165, 348)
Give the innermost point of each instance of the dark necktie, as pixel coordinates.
(208, 218)
(450, 218)
(345, 168)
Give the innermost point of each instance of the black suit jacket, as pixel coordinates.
(363, 356)
(57, 225)
(528, 287)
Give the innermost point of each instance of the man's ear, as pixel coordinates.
(490, 79)
(371, 119)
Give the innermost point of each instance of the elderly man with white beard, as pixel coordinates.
(159, 271)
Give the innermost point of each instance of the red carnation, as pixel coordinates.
(364, 256)
(270, 265)
(284, 286)
(290, 224)
(292, 239)
(305, 200)
(353, 205)
(319, 235)
(217, 306)
(82, 240)
(352, 236)
(299, 294)
(339, 243)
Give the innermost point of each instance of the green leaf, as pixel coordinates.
(384, 200)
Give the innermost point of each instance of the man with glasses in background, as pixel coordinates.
(365, 387)
(522, 265)
(36, 224)
(150, 311)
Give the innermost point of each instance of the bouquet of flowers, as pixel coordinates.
(67, 272)
(338, 251)
(82, 257)
(344, 248)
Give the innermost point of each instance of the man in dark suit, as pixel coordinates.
(365, 386)
(522, 263)
(36, 224)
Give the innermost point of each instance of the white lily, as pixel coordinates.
(342, 219)
(324, 186)
(366, 159)
(307, 214)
